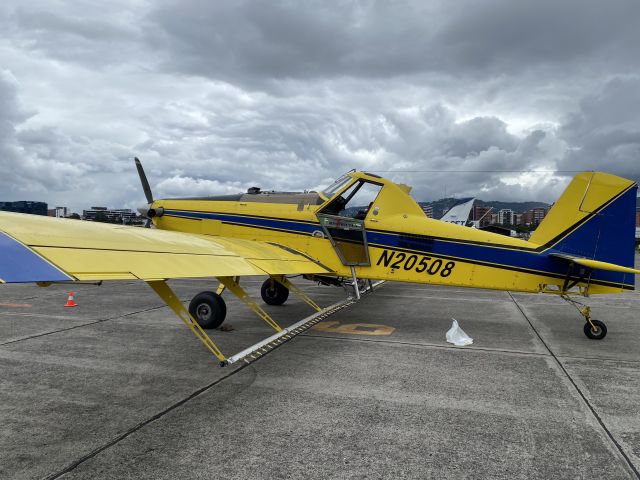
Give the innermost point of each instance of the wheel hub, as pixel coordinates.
(204, 312)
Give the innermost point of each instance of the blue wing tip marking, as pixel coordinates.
(20, 264)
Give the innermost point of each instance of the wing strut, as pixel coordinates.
(164, 291)
(284, 281)
(265, 346)
(233, 285)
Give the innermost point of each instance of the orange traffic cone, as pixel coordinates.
(70, 302)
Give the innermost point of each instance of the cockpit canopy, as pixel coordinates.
(355, 201)
(336, 186)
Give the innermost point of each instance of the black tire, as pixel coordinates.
(600, 330)
(208, 309)
(274, 293)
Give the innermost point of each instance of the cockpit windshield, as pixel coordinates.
(336, 186)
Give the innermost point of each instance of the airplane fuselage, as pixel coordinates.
(401, 243)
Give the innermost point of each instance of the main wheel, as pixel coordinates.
(597, 332)
(208, 309)
(274, 293)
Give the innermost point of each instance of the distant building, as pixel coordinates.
(517, 219)
(505, 216)
(480, 214)
(534, 216)
(116, 215)
(538, 215)
(22, 206)
(58, 212)
(428, 210)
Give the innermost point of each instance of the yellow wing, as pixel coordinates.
(41, 249)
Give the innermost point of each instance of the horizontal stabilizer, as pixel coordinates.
(595, 264)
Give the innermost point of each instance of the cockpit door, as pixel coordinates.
(343, 222)
(348, 237)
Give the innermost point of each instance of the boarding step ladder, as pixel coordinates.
(269, 344)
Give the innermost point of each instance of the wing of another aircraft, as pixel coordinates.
(459, 214)
(42, 249)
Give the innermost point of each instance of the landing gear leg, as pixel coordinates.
(284, 282)
(594, 329)
(356, 288)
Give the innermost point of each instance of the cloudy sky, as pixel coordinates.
(502, 99)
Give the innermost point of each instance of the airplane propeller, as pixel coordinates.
(147, 192)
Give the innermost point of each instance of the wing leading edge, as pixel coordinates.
(42, 249)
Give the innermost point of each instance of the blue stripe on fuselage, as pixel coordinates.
(498, 256)
(259, 222)
(516, 259)
(19, 264)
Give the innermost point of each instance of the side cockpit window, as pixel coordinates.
(355, 202)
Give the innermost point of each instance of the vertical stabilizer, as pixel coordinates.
(594, 218)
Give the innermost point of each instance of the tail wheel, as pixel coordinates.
(274, 293)
(208, 309)
(597, 331)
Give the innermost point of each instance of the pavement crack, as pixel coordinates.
(468, 348)
(52, 332)
(580, 392)
(72, 466)
(428, 345)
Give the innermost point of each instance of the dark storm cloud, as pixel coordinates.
(88, 34)
(217, 96)
(605, 131)
(304, 150)
(509, 36)
(254, 42)
(456, 48)
(45, 164)
(470, 157)
(10, 113)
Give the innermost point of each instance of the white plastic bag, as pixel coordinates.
(457, 336)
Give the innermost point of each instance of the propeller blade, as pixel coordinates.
(144, 181)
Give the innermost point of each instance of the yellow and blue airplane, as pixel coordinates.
(360, 228)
